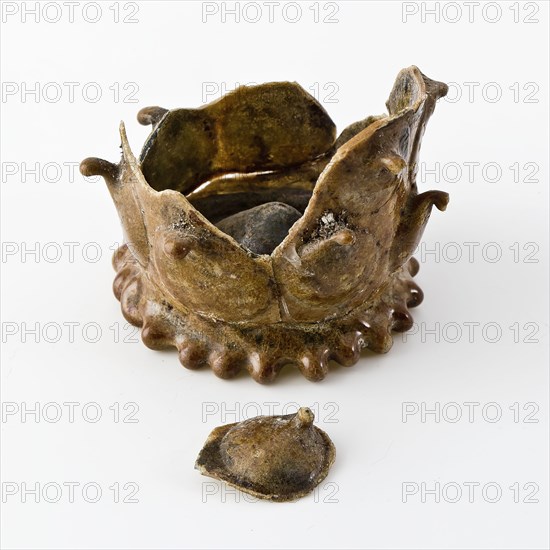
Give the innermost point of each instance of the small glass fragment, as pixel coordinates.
(277, 458)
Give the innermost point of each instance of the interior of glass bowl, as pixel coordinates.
(248, 162)
(258, 209)
(233, 193)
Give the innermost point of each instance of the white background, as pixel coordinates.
(171, 57)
